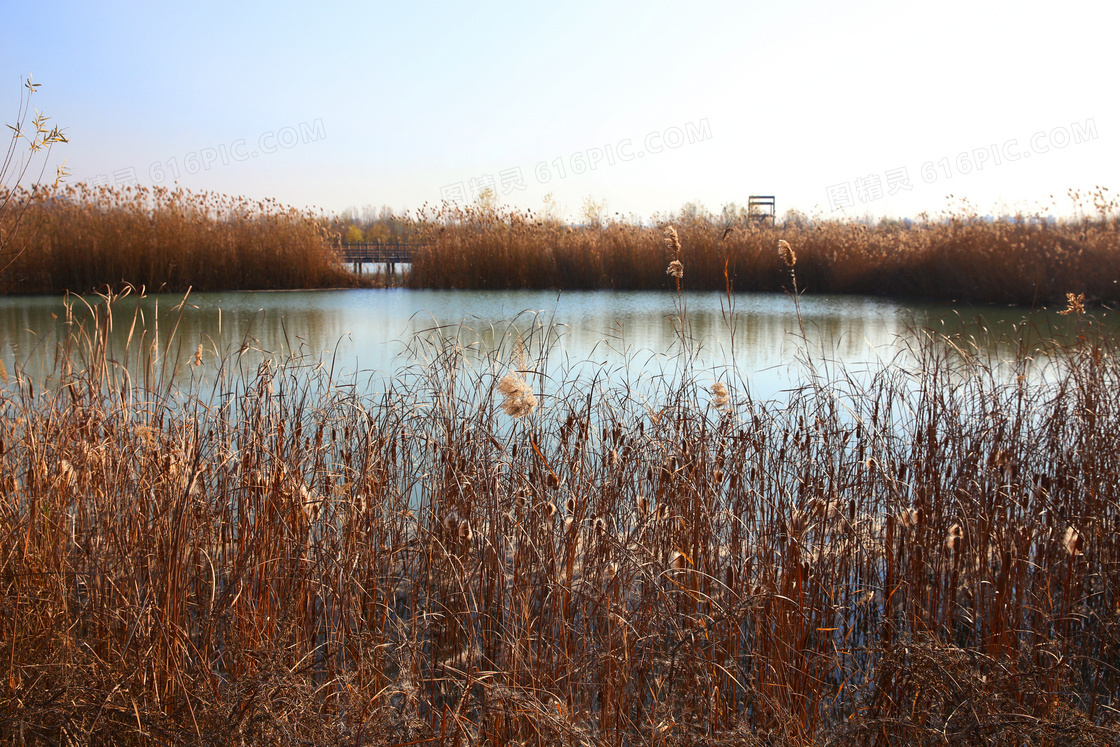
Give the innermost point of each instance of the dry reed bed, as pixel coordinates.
(1020, 260)
(81, 239)
(493, 552)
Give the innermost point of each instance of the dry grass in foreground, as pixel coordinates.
(81, 239)
(1019, 260)
(494, 552)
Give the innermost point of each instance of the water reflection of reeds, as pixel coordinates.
(364, 333)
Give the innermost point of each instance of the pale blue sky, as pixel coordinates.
(348, 104)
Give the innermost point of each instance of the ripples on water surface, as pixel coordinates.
(366, 332)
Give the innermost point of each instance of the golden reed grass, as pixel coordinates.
(927, 554)
(80, 239)
(1019, 259)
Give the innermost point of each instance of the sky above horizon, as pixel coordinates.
(839, 110)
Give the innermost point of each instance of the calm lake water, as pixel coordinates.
(365, 333)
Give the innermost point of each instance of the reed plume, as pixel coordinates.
(519, 399)
(786, 253)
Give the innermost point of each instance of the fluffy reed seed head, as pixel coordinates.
(147, 434)
(673, 241)
(955, 538)
(451, 521)
(677, 561)
(676, 269)
(519, 400)
(1073, 542)
(518, 357)
(1074, 304)
(309, 502)
(911, 518)
(785, 251)
(798, 523)
(721, 398)
(69, 476)
(820, 508)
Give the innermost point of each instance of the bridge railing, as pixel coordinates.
(376, 252)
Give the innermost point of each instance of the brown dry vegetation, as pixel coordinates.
(1021, 259)
(494, 551)
(80, 239)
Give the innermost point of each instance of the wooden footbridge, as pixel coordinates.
(376, 253)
